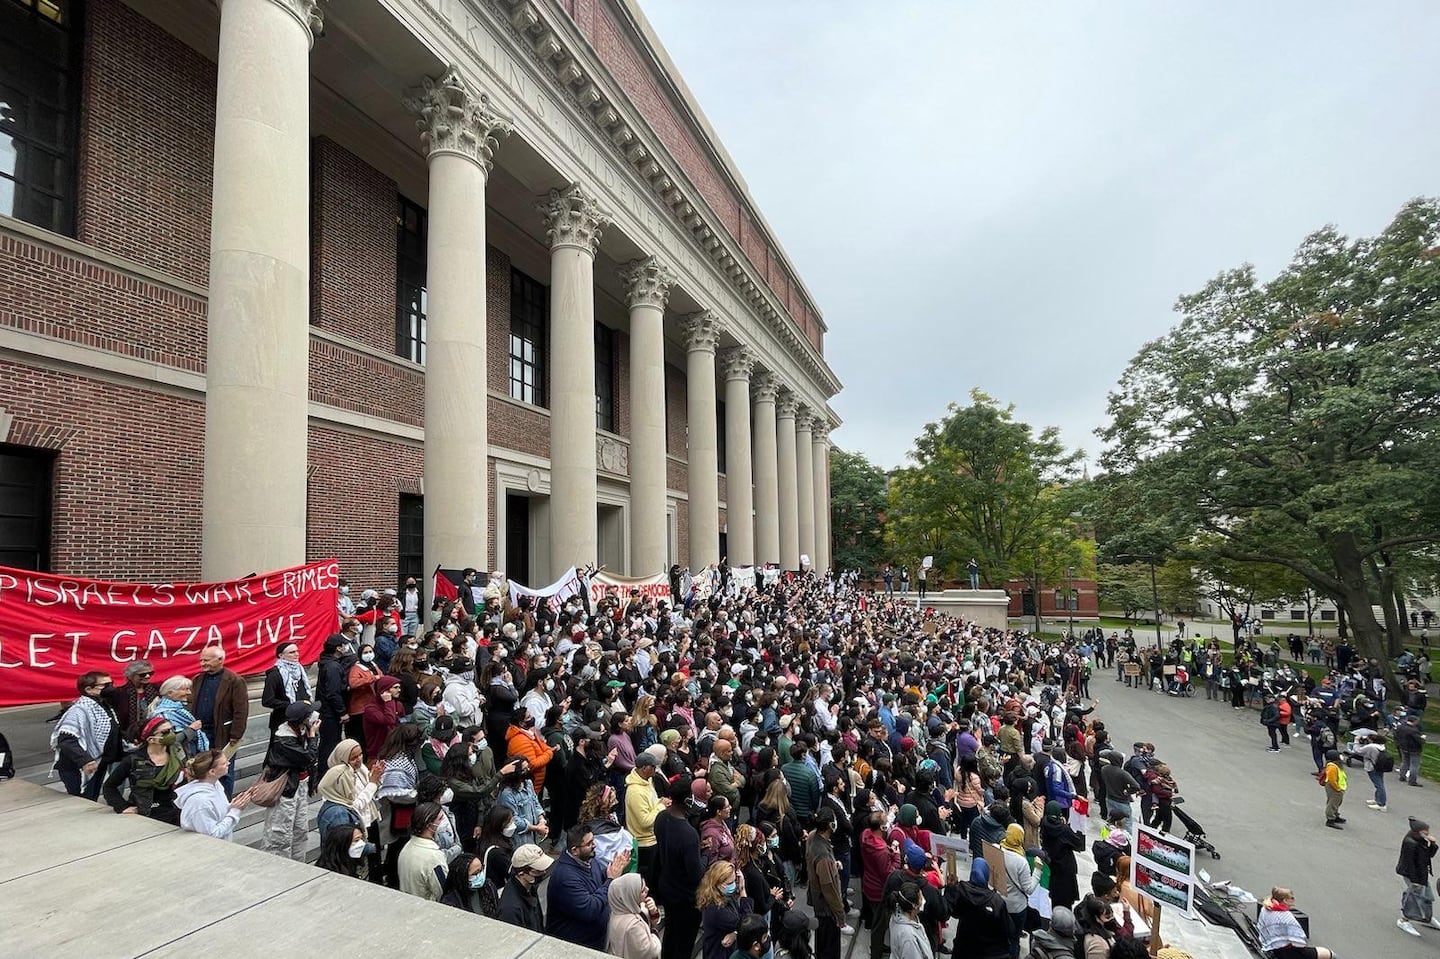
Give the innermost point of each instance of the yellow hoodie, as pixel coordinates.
(641, 808)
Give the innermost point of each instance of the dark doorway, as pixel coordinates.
(25, 477)
(517, 537)
(1027, 602)
(724, 545)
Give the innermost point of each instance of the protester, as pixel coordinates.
(143, 783)
(1417, 903)
(520, 901)
(1280, 933)
(633, 916)
(88, 738)
(202, 802)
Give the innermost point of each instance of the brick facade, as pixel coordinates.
(128, 474)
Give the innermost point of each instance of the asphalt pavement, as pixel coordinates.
(1264, 812)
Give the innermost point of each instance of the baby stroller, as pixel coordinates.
(1194, 832)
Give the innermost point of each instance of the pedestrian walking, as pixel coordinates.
(1411, 742)
(1270, 719)
(1334, 780)
(1378, 761)
(1417, 901)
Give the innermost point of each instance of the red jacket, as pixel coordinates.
(880, 861)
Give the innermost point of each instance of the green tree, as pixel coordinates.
(985, 485)
(1293, 422)
(857, 511)
(1124, 587)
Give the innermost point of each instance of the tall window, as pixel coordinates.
(410, 226)
(39, 111)
(529, 308)
(411, 551)
(604, 378)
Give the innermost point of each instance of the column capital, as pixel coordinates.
(738, 363)
(647, 282)
(573, 218)
(764, 386)
(820, 432)
(702, 331)
(786, 405)
(306, 13)
(804, 418)
(455, 119)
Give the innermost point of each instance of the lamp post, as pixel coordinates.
(1154, 587)
(1070, 603)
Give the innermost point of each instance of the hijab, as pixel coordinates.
(292, 677)
(625, 895)
(1014, 839)
(340, 755)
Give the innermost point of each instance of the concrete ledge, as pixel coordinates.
(78, 880)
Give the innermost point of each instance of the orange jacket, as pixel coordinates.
(527, 745)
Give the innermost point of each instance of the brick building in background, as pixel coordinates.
(270, 262)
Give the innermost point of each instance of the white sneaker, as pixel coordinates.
(1371, 802)
(849, 930)
(1434, 923)
(1405, 926)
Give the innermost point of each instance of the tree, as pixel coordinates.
(984, 485)
(1293, 422)
(1125, 587)
(857, 511)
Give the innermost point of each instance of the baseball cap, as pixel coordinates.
(530, 856)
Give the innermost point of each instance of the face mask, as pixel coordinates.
(509, 829)
(367, 657)
(446, 796)
(357, 849)
(549, 684)
(481, 744)
(611, 670)
(477, 880)
(344, 590)
(729, 888)
(168, 739)
(774, 842)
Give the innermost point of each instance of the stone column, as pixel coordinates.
(764, 389)
(647, 287)
(805, 483)
(785, 407)
(702, 336)
(258, 331)
(573, 222)
(739, 498)
(821, 474)
(459, 130)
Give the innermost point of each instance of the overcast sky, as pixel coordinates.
(1011, 196)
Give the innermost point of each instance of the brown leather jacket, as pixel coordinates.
(232, 707)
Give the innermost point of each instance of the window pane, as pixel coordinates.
(38, 106)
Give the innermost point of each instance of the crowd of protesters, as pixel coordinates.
(638, 776)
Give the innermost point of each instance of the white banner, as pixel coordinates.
(562, 589)
(771, 575)
(742, 577)
(655, 587)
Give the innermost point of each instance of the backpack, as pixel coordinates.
(1384, 762)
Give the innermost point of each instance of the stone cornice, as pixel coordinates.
(456, 120)
(701, 331)
(573, 218)
(738, 363)
(563, 53)
(647, 283)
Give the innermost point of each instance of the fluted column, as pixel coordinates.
(785, 407)
(821, 478)
(702, 336)
(763, 391)
(739, 499)
(258, 330)
(573, 222)
(647, 289)
(805, 484)
(459, 131)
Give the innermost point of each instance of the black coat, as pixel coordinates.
(1061, 843)
(1415, 856)
(982, 922)
(274, 698)
(521, 908)
(677, 861)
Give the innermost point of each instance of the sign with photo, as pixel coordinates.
(1163, 869)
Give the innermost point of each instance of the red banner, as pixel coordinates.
(54, 629)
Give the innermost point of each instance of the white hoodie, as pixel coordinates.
(204, 809)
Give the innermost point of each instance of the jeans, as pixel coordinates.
(1212, 689)
(1409, 767)
(410, 624)
(72, 777)
(1115, 807)
(974, 580)
(1377, 779)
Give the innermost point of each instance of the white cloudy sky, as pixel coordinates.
(1011, 196)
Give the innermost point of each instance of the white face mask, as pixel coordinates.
(367, 657)
(446, 796)
(509, 829)
(357, 849)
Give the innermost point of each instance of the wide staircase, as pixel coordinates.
(246, 763)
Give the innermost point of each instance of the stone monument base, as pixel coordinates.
(987, 607)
